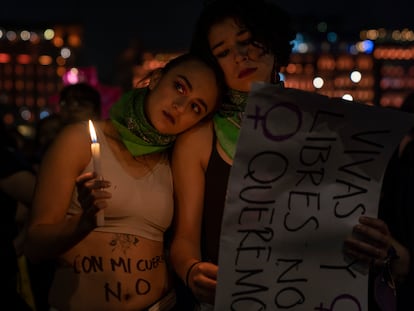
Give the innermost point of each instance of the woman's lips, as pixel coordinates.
(169, 117)
(246, 72)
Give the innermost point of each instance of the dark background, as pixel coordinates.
(166, 26)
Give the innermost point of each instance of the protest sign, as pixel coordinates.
(306, 168)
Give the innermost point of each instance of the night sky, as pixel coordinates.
(166, 25)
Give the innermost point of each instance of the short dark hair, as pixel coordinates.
(82, 92)
(269, 24)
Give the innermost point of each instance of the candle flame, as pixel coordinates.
(92, 132)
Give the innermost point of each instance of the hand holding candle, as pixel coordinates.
(95, 149)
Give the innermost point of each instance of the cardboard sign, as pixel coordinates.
(306, 168)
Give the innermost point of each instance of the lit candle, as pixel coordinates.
(96, 149)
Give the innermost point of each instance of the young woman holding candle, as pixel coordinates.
(251, 41)
(120, 265)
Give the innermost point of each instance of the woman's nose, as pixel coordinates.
(240, 53)
(180, 104)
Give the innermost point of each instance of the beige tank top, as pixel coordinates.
(139, 206)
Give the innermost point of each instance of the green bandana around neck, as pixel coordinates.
(227, 120)
(137, 134)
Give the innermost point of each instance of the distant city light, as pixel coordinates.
(322, 27)
(25, 114)
(347, 97)
(332, 37)
(72, 76)
(366, 46)
(318, 82)
(303, 48)
(43, 114)
(34, 37)
(49, 34)
(5, 58)
(355, 76)
(297, 42)
(25, 35)
(65, 52)
(45, 60)
(11, 35)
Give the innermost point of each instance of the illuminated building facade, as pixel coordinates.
(394, 56)
(375, 69)
(32, 63)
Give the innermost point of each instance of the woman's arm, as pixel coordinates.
(190, 158)
(50, 232)
(188, 167)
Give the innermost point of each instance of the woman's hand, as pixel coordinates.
(369, 242)
(202, 280)
(92, 195)
(373, 244)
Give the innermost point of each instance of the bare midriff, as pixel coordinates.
(126, 272)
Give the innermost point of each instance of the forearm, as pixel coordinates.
(48, 241)
(183, 255)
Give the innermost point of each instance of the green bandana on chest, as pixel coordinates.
(227, 121)
(137, 134)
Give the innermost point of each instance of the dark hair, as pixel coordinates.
(269, 24)
(83, 92)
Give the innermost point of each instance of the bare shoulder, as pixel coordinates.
(198, 138)
(195, 144)
(75, 131)
(197, 134)
(73, 141)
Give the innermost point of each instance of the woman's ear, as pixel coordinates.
(155, 78)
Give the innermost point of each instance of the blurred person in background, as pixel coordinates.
(17, 182)
(45, 132)
(79, 102)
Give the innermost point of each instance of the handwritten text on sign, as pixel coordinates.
(306, 168)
